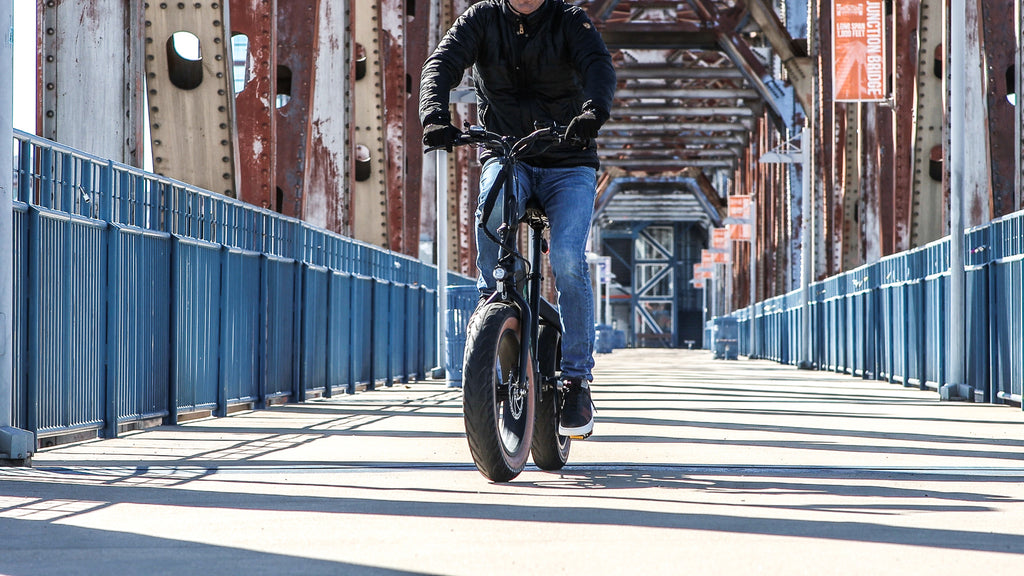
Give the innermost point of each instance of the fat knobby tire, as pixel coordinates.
(492, 340)
(550, 451)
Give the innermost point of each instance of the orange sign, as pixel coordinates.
(701, 271)
(720, 257)
(719, 238)
(858, 51)
(739, 207)
(739, 232)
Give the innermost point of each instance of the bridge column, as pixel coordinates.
(15, 444)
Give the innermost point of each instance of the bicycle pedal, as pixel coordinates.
(581, 437)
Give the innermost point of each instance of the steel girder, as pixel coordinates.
(77, 88)
(254, 105)
(191, 97)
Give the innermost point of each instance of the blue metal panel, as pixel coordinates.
(139, 334)
(240, 328)
(65, 388)
(429, 300)
(278, 297)
(362, 330)
(196, 299)
(313, 374)
(399, 325)
(339, 333)
(935, 290)
(21, 313)
(381, 306)
(414, 333)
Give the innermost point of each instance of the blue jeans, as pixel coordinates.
(567, 195)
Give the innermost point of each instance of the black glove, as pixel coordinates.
(440, 135)
(584, 126)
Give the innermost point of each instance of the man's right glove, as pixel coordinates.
(440, 135)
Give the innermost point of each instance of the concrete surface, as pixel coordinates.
(697, 467)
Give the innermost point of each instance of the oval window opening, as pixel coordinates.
(284, 85)
(362, 163)
(360, 57)
(185, 60)
(240, 61)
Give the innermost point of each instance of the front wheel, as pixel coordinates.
(497, 401)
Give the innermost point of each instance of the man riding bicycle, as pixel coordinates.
(535, 61)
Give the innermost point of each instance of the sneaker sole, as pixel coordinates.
(577, 433)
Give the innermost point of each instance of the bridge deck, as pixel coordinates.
(696, 467)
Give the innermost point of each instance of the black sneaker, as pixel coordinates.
(576, 419)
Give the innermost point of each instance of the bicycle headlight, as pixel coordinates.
(499, 273)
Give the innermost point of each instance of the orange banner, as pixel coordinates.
(739, 207)
(858, 51)
(739, 232)
(719, 238)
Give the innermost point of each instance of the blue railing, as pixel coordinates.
(887, 320)
(138, 297)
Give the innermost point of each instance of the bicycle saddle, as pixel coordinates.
(534, 214)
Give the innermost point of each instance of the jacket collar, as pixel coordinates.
(531, 20)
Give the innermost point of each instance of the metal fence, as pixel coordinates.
(138, 297)
(888, 320)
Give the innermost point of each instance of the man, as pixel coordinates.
(536, 61)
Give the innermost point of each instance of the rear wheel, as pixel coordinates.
(498, 402)
(550, 450)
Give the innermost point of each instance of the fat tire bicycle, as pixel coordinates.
(511, 394)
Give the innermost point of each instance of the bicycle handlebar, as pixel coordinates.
(507, 146)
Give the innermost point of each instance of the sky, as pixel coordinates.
(25, 66)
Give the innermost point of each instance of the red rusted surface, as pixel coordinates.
(417, 48)
(254, 105)
(297, 27)
(907, 16)
(1000, 46)
(392, 43)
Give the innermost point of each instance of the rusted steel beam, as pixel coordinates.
(665, 72)
(799, 66)
(650, 91)
(392, 46)
(977, 155)
(78, 89)
(328, 156)
(640, 110)
(254, 104)
(657, 35)
(294, 63)
(1000, 48)
(851, 124)
(906, 54)
(826, 137)
(191, 99)
(417, 48)
(661, 124)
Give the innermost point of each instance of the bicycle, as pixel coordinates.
(511, 392)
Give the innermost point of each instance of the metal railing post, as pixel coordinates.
(955, 387)
(441, 257)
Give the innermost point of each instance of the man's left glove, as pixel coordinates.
(440, 136)
(584, 126)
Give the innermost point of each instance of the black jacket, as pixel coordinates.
(545, 67)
